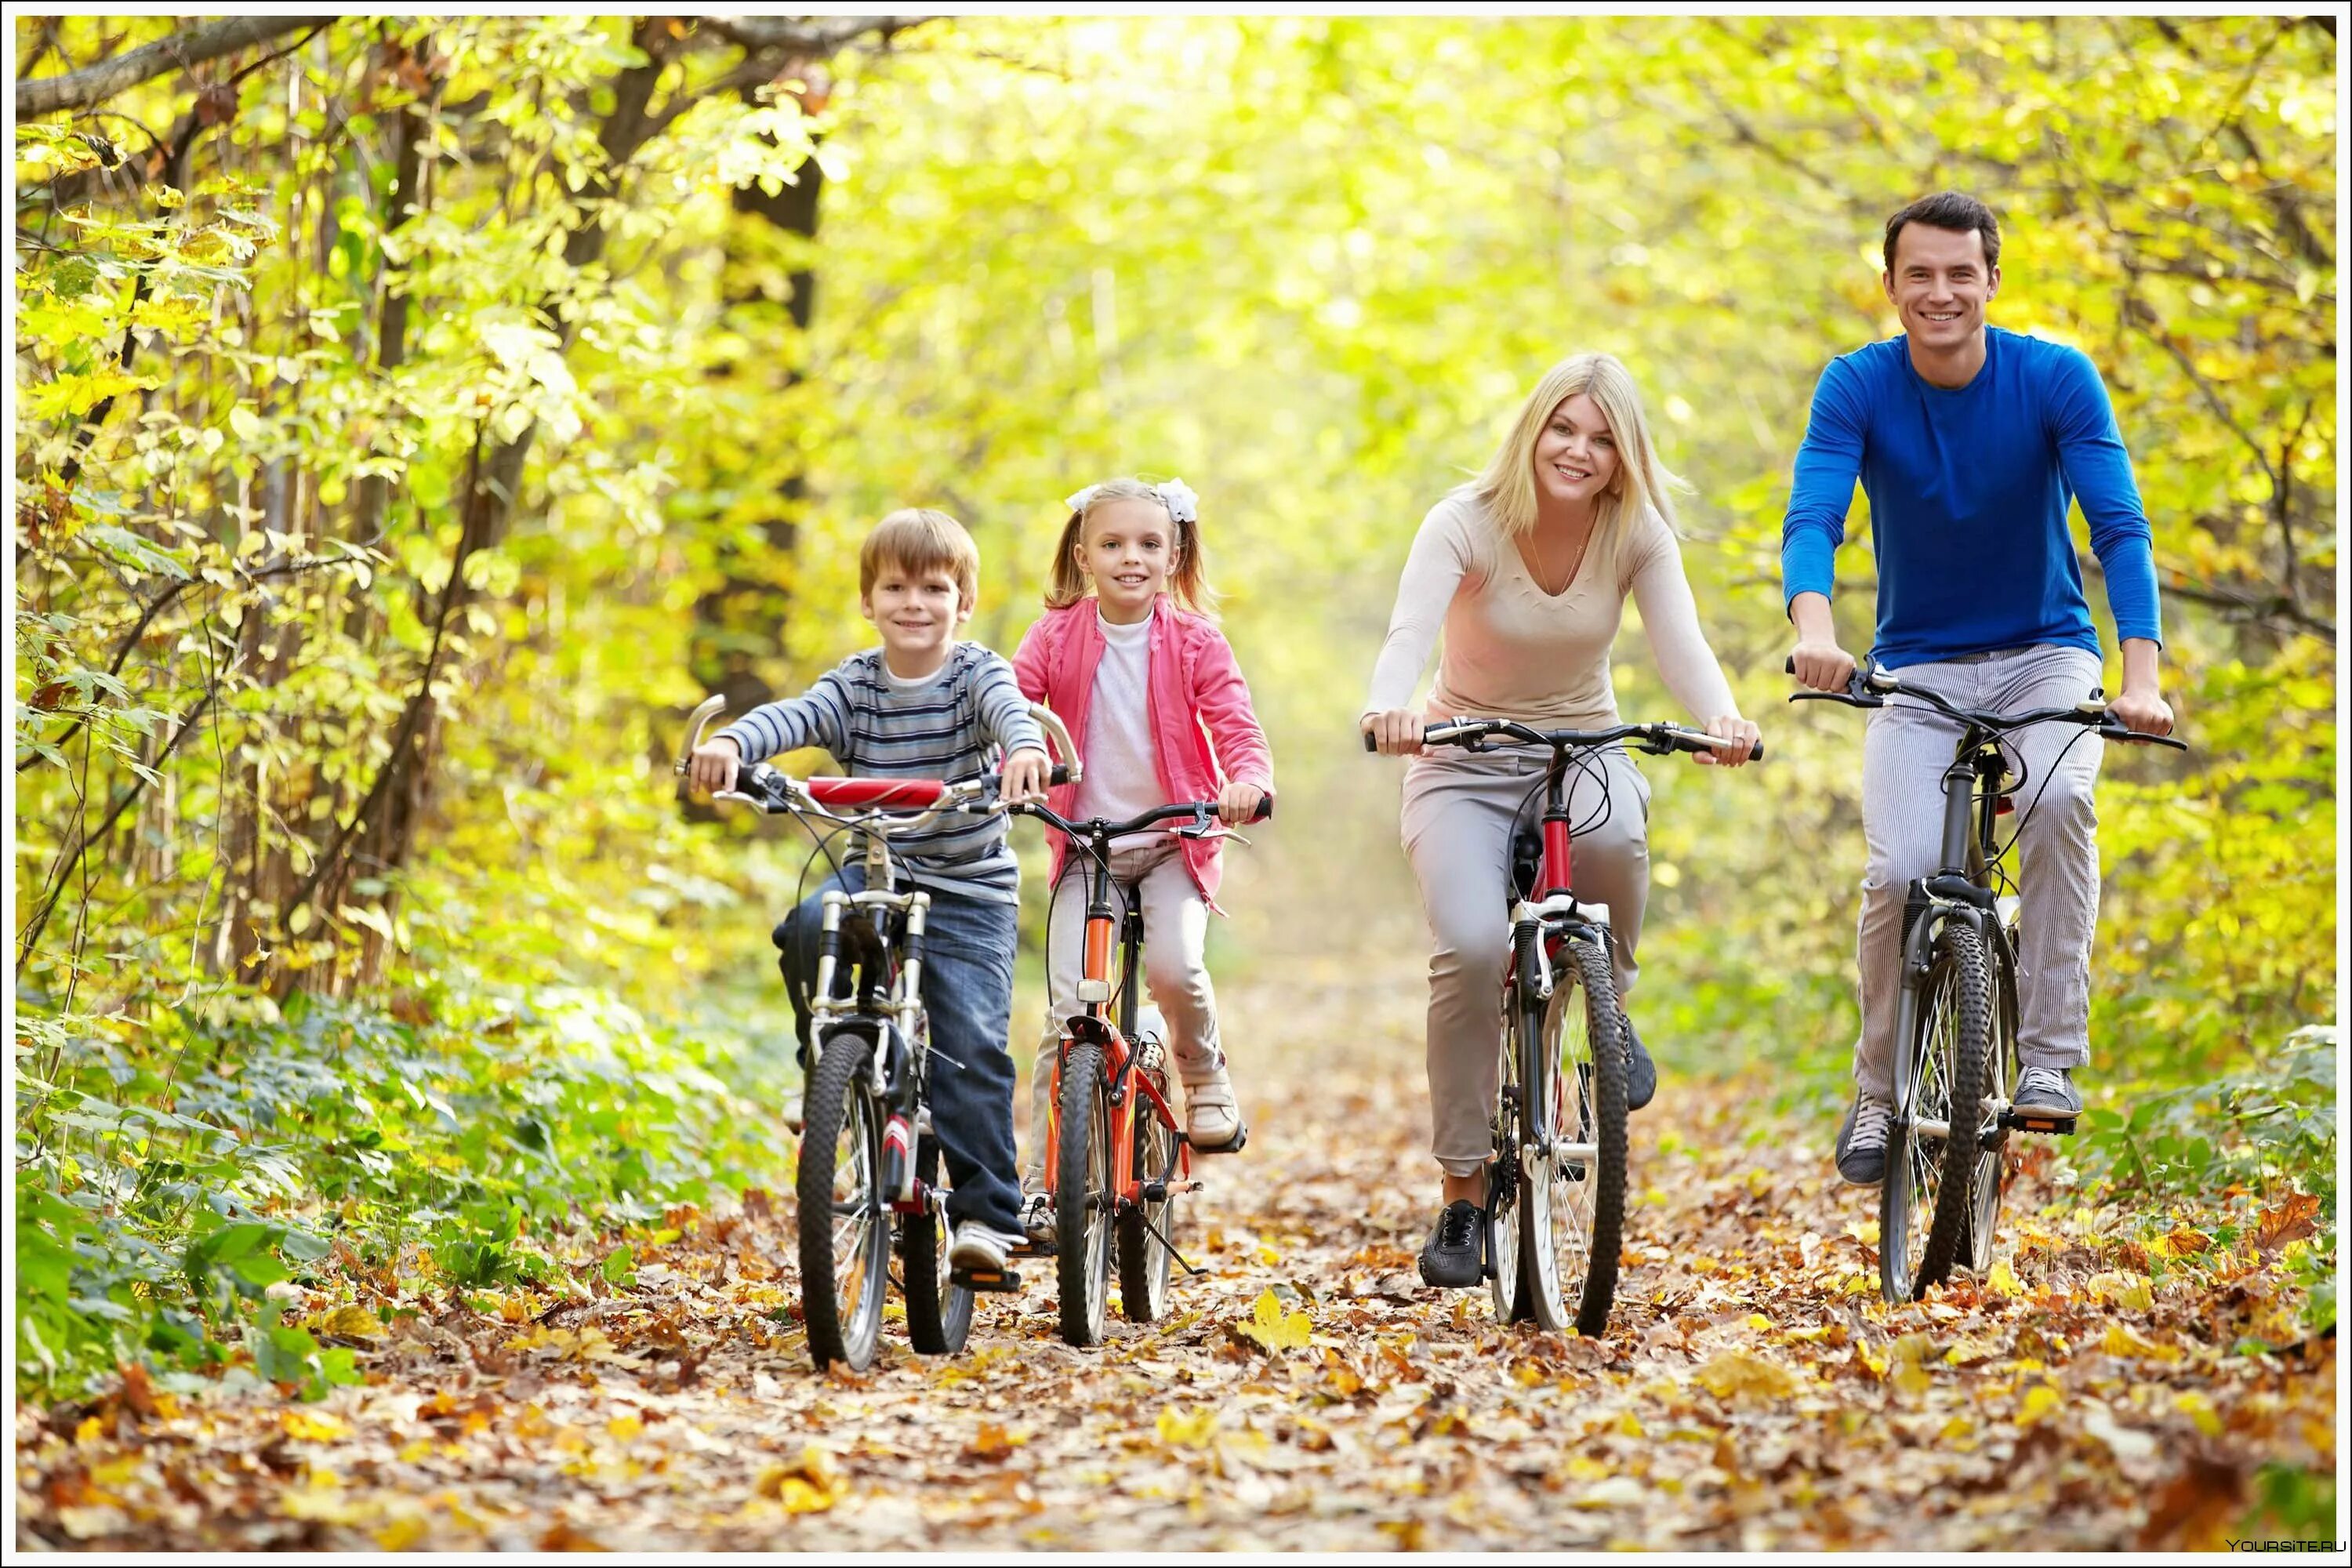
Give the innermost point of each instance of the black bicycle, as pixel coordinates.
(868, 1160)
(1956, 1015)
(1115, 1161)
(1556, 1184)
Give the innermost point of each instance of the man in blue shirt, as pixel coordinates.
(1970, 442)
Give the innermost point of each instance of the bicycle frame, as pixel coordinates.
(1540, 927)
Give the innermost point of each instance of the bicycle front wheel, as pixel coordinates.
(844, 1218)
(1572, 1145)
(1924, 1201)
(1086, 1196)
(1995, 1164)
(939, 1311)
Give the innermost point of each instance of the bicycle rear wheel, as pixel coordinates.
(1572, 1144)
(1143, 1258)
(844, 1219)
(1506, 1276)
(1924, 1206)
(1995, 1166)
(1086, 1196)
(939, 1313)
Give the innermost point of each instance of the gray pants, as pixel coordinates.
(1175, 969)
(1459, 809)
(1904, 756)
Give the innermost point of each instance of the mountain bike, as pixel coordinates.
(1556, 1184)
(1956, 1010)
(1116, 1158)
(867, 1158)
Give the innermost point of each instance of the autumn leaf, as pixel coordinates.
(1736, 1375)
(1275, 1328)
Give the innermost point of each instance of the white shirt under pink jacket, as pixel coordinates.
(1203, 729)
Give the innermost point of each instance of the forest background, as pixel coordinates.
(414, 418)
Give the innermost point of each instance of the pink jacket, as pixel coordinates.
(1201, 724)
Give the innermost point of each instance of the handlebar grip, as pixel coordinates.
(1265, 806)
(1060, 775)
(1369, 743)
(1788, 665)
(1756, 753)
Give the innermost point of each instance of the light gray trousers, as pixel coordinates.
(1458, 811)
(1175, 969)
(1904, 755)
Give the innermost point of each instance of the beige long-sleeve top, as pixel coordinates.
(1513, 651)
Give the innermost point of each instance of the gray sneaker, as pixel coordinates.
(2048, 1091)
(1862, 1141)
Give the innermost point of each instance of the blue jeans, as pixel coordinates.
(967, 989)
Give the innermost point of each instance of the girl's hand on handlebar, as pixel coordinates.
(1238, 803)
(1395, 733)
(713, 765)
(1730, 726)
(1025, 772)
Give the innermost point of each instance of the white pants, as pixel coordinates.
(1175, 968)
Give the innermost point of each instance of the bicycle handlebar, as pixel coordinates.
(1201, 812)
(1657, 739)
(1871, 685)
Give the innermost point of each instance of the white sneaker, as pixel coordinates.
(1212, 1120)
(1038, 1217)
(980, 1248)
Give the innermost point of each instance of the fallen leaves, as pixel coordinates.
(1274, 1329)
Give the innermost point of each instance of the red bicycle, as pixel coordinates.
(1116, 1158)
(1556, 1184)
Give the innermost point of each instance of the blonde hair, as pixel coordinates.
(919, 542)
(1507, 484)
(1188, 571)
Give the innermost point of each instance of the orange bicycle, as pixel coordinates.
(1116, 1157)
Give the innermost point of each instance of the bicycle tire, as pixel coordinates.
(1572, 1252)
(1085, 1194)
(1995, 1166)
(1934, 1175)
(841, 1288)
(1143, 1258)
(938, 1312)
(1506, 1271)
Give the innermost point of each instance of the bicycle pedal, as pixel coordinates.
(1045, 1249)
(1003, 1279)
(2027, 1121)
(1230, 1146)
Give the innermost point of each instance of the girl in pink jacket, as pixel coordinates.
(1128, 656)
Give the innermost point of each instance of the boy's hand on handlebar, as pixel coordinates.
(1821, 665)
(2144, 712)
(1238, 803)
(1395, 733)
(713, 765)
(1730, 727)
(1025, 772)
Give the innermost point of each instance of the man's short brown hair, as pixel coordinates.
(1953, 211)
(919, 541)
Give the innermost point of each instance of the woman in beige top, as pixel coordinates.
(1526, 570)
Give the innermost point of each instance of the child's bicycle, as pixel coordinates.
(868, 1157)
(1556, 1184)
(1957, 1015)
(1116, 1159)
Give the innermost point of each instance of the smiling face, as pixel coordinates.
(1939, 285)
(1126, 549)
(1576, 454)
(917, 613)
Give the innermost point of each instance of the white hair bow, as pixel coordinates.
(1177, 496)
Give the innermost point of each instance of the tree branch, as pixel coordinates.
(804, 35)
(189, 46)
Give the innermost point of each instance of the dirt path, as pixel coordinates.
(1752, 1391)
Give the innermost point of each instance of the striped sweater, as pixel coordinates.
(956, 723)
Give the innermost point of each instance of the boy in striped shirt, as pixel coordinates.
(924, 705)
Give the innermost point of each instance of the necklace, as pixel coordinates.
(1543, 576)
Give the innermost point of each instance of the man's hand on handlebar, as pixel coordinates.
(1395, 732)
(1024, 777)
(1730, 727)
(1821, 665)
(714, 764)
(2143, 712)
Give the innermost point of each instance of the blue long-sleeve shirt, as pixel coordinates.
(1968, 490)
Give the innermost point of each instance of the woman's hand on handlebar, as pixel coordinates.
(1024, 776)
(1238, 803)
(714, 764)
(1730, 727)
(1395, 732)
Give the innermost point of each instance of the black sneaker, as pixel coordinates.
(1455, 1259)
(1641, 1073)
(2048, 1091)
(1862, 1141)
